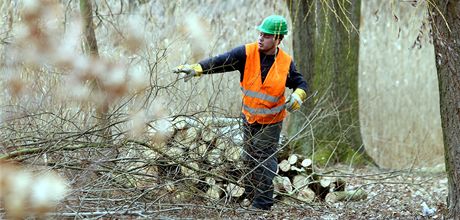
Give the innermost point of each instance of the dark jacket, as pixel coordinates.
(235, 59)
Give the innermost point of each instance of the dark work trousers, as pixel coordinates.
(260, 146)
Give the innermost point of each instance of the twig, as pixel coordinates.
(141, 213)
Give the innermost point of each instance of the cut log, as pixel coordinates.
(222, 143)
(232, 134)
(209, 134)
(197, 151)
(332, 184)
(282, 184)
(306, 163)
(189, 172)
(228, 135)
(192, 134)
(300, 181)
(234, 190)
(149, 154)
(293, 158)
(214, 156)
(186, 137)
(220, 122)
(210, 181)
(214, 192)
(184, 122)
(180, 123)
(238, 138)
(160, 131)
(159, 146)
(284, 166)
(338, 196)
(325, 182)
(176, 153)
(233, 153)
(306, 194)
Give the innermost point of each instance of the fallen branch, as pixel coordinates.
(104, 213)
(339, 196)
(36, 150)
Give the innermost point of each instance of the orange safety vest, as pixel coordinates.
(264, 102)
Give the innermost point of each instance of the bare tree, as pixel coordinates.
(326, 44)
(446, 33)
(91, 48)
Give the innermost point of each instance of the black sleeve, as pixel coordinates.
(234, 59)
(295, 79)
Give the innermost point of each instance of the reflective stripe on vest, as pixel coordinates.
(257, 111)
(259, 95)
(264, 102)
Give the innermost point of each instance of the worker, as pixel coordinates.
(265, 71)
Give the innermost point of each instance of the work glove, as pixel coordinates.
(190, 70)
(296, 99)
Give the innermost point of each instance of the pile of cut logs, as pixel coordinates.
(296, 178)
(208, 150)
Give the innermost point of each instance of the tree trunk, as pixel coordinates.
(326, 44)
(90, 42)
(91, 48)
(446, 31)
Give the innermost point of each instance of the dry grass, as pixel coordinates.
(399, 96)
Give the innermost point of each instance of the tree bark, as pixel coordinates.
(326, 44)
(445, 16)
(90, 42)
(91, 48)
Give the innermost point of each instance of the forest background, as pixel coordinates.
(59, 97)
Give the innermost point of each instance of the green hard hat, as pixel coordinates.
(274, 24)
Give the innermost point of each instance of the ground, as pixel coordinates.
(391, 195)
(402, 194)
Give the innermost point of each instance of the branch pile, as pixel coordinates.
(207, 151)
